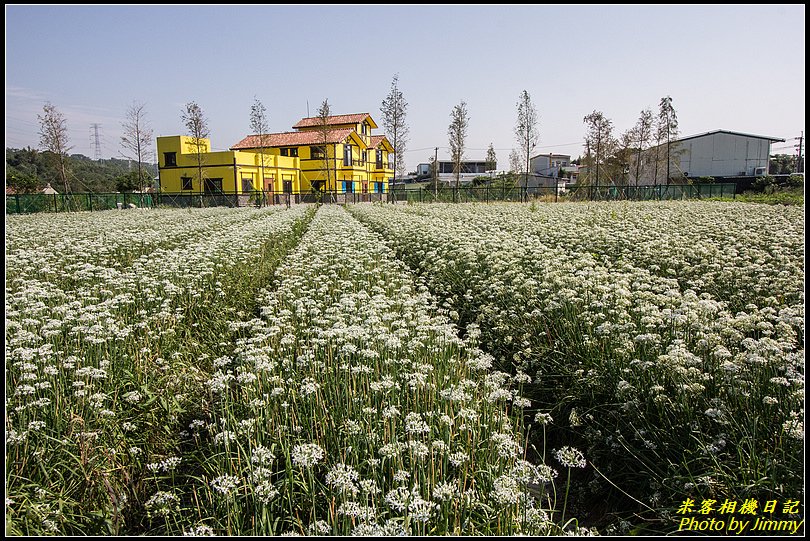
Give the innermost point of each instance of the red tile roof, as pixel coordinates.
(293, 138)
(376, 140)
(313, 121)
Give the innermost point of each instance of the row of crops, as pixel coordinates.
(113, 322)
(437, 369)
(667, 340)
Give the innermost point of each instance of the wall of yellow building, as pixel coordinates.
(230, 166)
(301, 172)
(277, 170)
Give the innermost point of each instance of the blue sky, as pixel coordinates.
(738, 68)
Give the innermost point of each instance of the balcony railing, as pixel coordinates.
(364, 163)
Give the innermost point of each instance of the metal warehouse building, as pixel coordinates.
(717, 153)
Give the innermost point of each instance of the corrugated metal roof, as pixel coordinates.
(772, 139)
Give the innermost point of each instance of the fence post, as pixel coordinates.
(90, 201)
(17, 201)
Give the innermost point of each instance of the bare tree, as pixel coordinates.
(53, 137)
(660, 136)
(620, 158)
(492, 160)
(643, 135)
(324, 128)
(667, 126)
(394, 109)
(457, 132)
(137, 138)
(599, 140)
(515, 161)
(260, 127)
(526, 131)
(197, 127)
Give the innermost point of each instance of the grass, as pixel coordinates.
(778, 196)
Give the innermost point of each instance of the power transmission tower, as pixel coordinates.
(94, 137)
(799, 162)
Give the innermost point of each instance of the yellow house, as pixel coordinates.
(380, 151)
(184, 170)
(339, 156)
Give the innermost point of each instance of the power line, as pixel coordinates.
(502, 149)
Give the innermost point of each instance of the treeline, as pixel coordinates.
(782, 164)
(29, 170)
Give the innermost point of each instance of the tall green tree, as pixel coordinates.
(526, 131)
(129, 182)
(457, 133)
(197, 126)
(394, 109)
(22, 169)
(53, 137)
(137, 139)
(781, 164)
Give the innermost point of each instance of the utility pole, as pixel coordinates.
(436, 173)
(799, 157)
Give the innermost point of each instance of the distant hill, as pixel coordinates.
(29, 170)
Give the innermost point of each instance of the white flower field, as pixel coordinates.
(467, 369)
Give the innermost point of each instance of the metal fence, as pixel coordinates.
(466, 194)
(39, 202)
(261, 199)
(29, 203)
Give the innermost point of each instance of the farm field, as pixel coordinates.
(468, 369)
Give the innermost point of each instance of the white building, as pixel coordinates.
(549, 165)
(718, 154)
(469, 170)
